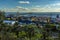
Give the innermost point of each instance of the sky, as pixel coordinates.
(30, 5)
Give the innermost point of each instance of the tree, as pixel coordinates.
(47, 29)
(2, 15)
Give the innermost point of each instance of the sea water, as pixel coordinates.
(37, 14)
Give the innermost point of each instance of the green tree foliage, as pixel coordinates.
(24, 32)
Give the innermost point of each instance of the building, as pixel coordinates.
(9, 22)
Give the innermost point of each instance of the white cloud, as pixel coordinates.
(24, 2)
(37, 6)
(45, 8)
(16, 9)
(56, 4)
(21, 8)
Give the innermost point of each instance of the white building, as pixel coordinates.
(9, 22)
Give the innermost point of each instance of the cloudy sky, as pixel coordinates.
(30, 5)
